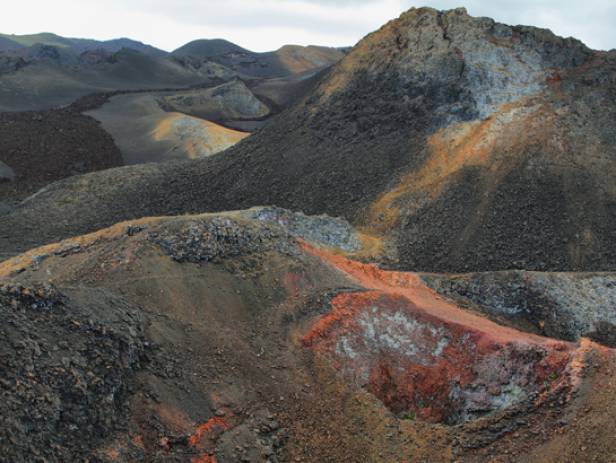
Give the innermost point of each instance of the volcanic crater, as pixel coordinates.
(453, 300)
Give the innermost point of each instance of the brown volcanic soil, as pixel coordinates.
(459, 143)
(205, 339)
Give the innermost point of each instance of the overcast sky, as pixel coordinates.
(263, 25)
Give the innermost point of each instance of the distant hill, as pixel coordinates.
(6, 44)
(15, 42)
(296, 58)
(44, 38)
(289, 59)
(41, 71)
(50, 76)
(117, 44)
(208, 48)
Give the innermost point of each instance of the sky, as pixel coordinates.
(262, 25)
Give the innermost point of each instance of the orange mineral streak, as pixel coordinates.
(423, 299)
(293, 284)
(209, 431)
(112, 453)
(197, 136)
(452, 148)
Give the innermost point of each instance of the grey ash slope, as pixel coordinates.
(159, 126)
(463, 144)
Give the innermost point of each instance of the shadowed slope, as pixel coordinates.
(45, 146)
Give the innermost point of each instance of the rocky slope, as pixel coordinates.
(464, 140)
(247, 336)
(40, 147)
(458, 143)
(156, 115)
(445, 143)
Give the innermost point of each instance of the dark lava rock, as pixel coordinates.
(65, 374)
(560, 305)
(44, 146)
(214, 238)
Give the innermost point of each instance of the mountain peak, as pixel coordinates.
(494, 63)
(208, 48)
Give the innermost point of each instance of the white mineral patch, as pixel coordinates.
(395, 332)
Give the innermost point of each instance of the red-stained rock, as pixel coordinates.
(210, 430)
(424, 356)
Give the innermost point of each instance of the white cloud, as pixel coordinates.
(267, 24)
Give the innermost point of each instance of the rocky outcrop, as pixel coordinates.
(324, 231)
(217, 238)
(226, 102)
(10, 63)
(97, 57)
(560, 305)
